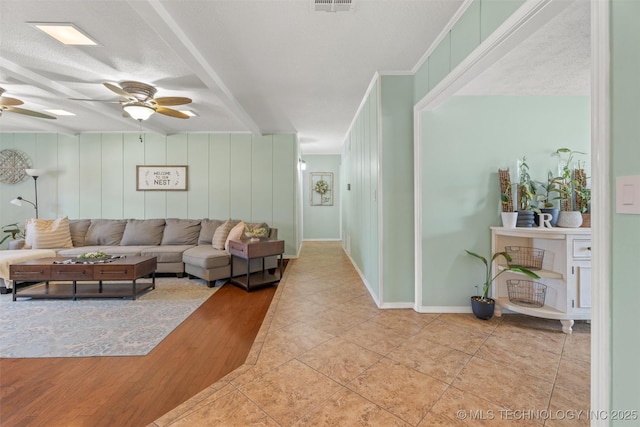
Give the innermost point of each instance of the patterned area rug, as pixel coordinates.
(97, 327)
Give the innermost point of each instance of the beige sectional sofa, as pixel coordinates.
(180, 245)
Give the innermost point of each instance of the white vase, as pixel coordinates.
(509, 219)
(569, 219)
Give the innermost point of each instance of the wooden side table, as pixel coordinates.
(248, 250)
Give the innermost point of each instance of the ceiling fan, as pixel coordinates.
(10, 104)
(139, 103)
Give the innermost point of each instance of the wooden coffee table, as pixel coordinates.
(115, 279)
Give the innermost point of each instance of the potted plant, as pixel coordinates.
(12, 231)
(481, 305)
(568, 217)
(508, 214)
(583, 203)
(582, 195)
(526, 190)
(545, 199)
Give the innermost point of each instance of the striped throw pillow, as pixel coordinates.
(220, 235)
(48, 233)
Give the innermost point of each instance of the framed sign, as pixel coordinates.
(321, 188)
(161, 178)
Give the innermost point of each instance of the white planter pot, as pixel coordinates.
(509, 219)
(569, 219)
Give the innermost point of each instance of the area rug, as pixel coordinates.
(97, 327)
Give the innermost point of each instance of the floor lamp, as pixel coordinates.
(33, 173)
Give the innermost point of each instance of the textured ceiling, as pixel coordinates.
(555, 60)
(260, 66)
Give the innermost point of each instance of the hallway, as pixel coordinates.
(326, 355)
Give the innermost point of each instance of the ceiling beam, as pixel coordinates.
(161, 21)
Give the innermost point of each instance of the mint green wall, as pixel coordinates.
(481, 18)
(360, 206)
(464, 143)
(321, 222)
(396, 165)
(625, 155)
(94, 176)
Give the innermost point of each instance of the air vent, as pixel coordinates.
(333, 5)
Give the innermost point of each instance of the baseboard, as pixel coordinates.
(322, 240)
(443, 309)
(392, 305)
(364, 279)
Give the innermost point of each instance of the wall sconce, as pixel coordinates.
(303, 165)
(33, 173)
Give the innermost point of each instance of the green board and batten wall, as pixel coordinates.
(625, 237)
(93, 175)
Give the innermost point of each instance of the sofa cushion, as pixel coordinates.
(169, 253)
(221, 234)
(181, 232)
(107, 232)
(206, 256)
(74, 252)
(142, 232)
(207, 228)
(78, 229)
(48, 234)
(235, 234)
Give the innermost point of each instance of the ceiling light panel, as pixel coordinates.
(65, 33)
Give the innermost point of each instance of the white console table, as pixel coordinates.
(566, 271)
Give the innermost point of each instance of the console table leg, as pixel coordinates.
(248, 274)
(75, 290)
(133, 289)
(567, 326)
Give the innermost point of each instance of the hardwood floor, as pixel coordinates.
(134, 391)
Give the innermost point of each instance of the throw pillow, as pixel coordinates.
(235, 234)
(48, 233)
(221, 234)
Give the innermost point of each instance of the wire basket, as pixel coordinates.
(526, 293)
(523, 256)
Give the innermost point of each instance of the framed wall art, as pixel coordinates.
(161, 178)
(321, 192)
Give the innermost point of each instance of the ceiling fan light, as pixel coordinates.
(139, 111)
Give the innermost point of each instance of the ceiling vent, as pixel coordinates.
(333, 5)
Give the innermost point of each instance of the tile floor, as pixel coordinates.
(327, 356)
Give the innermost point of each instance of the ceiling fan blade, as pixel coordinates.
(119, 91)
(29, 113)
(5, 100)
(171, 112)
(172, 100)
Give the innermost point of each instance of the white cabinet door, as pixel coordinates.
(581, 297)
